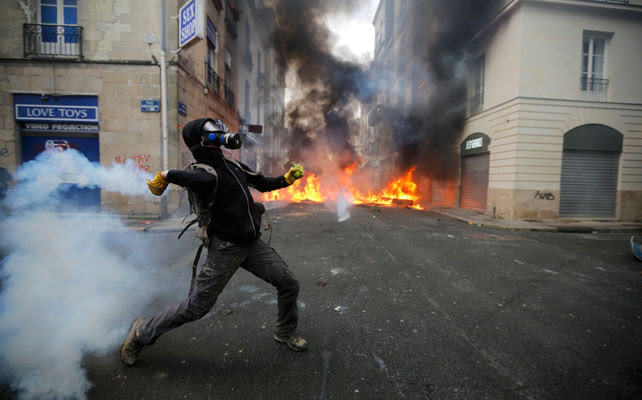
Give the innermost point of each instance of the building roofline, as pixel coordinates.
(603, 5)
(377, 12)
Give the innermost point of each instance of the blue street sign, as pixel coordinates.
(187, 23)
(150, 105)
(182, 108)
(32, 107)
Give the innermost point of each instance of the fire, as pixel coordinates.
(305, 189)
(398, 192)
(402, 191)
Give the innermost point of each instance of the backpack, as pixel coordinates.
(201, 206)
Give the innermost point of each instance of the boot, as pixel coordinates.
(131, 347)
(294, 342)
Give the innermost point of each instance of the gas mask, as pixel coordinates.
(215, 134)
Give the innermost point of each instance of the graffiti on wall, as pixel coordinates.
(544, 195)
(142, 160)
(4, 152)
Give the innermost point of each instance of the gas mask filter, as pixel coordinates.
(215, 135)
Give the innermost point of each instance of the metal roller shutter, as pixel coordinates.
(474, 181)
(438, 192)
(589, 184)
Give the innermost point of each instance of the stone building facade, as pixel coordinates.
(554, 108)
(555, 112)
(109, 59)
(103, 58)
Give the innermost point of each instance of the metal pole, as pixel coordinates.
(164, 90)
(165, 165)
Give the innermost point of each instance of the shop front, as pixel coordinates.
(60, 123)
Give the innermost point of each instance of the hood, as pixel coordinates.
(192, 133)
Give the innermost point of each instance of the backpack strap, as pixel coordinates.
(192, 222)
(240, 166)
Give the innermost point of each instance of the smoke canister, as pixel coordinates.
(297, 173)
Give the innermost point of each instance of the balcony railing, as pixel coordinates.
(230, 99)
(213, 81)
(41, 40)
(593, 89)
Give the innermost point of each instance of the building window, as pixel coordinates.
(229, 94)
(57, 32)
(476, 86)
(247, 102)
(258, 111)
(389, 20)
(593, 83)
(231, 16)
(213, 79)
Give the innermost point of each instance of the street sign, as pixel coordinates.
(150, 105)
(182, 108)
(255, 129)
(190, 22)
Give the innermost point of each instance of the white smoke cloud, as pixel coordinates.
(71, 285)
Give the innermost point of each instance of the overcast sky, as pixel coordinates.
(355, 32)
(355, 40)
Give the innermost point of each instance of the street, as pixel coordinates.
(400, 303)
(405, 304)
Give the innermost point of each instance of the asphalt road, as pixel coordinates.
(405, 304)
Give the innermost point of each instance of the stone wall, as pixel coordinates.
(125, 131)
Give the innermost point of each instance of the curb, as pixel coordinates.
(547, 228)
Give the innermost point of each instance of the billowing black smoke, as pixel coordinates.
(430, 127)
(327, 82)
(426, 128)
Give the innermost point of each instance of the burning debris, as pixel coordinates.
(401, 192)
(420, 132)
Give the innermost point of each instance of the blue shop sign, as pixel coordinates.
(182, 108)
(150, 105)
(187, 23)
(36, 107)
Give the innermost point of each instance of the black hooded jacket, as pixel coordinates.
(235, 216)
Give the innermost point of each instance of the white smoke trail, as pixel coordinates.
(42, 179)
(344, 201)
(71, 285)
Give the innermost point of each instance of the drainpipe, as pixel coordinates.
(165, 165)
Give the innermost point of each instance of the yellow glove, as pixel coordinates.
(295, 172)
(157, 185)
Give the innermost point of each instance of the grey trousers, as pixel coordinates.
(223, 259)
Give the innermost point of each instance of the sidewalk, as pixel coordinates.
(577, 226)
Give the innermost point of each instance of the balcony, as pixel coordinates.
(213, 81)
(230, 99)
(593, 89)
(59, 41)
